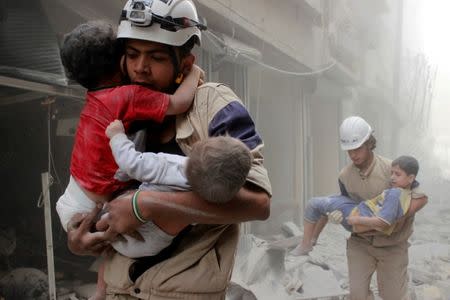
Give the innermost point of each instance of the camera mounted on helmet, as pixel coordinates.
(139, 13)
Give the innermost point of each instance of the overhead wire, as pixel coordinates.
(236, 53)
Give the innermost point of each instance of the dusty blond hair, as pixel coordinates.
(217, 168)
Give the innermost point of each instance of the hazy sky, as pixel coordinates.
(433, 25)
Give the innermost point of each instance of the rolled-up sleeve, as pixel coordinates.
(235, 121)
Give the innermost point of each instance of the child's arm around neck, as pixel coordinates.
(182, 99)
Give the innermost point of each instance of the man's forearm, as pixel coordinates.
(362, 229)
(369, 223)
(187, 207)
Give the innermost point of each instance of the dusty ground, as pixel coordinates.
(267, 270)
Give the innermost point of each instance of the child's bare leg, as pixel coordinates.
(306, 244)
(320, 225)
(308, 231)
(100, 292)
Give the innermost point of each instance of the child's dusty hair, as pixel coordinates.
(218, 167)
(408, 164)
(91, 53)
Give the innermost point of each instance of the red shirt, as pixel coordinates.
(92, 163)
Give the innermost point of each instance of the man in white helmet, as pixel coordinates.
(367, 176)
(159, 36)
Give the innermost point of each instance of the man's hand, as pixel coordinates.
(83, 242)
(335, 217)
(115, 127)
(120, 217)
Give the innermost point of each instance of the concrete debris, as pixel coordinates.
(264, 273)
(237, 292)
(265, 270)
(420, 276)
(318, 283)
(284, 243)
(24, 284)
(291, 229)
(444, 287)
(32, 284)
(429, 252)
(256, 266)
(292, 283)
(258, 271)
(428, 292)
(318, 260)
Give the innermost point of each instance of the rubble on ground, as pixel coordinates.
(32, 284)
(266, 270)
(24, 284)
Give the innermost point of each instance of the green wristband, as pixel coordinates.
(135, 206)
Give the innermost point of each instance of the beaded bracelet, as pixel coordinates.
(135, 206)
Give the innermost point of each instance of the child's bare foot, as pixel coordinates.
(301, 250)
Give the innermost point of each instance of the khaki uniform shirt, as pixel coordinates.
(369, 184)
(201, 266)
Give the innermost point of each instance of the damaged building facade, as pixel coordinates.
(299, 66)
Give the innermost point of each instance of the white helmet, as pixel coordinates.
(170, 22)
(354, 131)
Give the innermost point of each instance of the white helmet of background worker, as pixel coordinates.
(354, 131)
(170, 22)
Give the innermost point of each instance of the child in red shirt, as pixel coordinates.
(91, 56)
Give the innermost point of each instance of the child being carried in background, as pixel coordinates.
(380, 213)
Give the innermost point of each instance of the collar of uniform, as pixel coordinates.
(369, 170)
(183, 127)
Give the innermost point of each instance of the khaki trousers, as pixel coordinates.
(390, 262)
